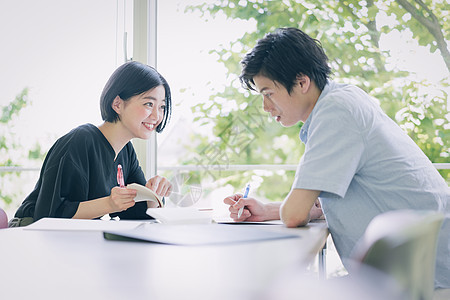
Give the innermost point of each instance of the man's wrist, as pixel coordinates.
(272, 211)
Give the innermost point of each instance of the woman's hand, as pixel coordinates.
(160, 185)
(121, 199)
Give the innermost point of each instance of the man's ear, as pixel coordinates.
(117, 104)
(304, 82)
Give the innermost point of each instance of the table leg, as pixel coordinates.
(322, 262)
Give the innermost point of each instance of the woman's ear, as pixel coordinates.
(117, 104)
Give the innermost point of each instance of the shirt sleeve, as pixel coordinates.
(62, 189)
(333, 151)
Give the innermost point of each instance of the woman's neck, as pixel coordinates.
(112, 133)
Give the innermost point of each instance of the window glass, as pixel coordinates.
(194, 73)
(216, 137)
(63, 52)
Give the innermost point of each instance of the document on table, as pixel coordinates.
(196, 234)
(230, 221)
(181, 215)
(83, 225)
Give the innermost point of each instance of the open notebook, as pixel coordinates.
(145, 194)
(196, 234)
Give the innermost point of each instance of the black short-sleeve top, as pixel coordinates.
(79, 167)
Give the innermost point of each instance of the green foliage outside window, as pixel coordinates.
(12, 153)
(350, 35)
(244, 134)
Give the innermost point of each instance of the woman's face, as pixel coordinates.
(141, 114)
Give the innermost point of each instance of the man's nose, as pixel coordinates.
(266, 104)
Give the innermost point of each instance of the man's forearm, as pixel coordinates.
(273, 211)
(295, 209)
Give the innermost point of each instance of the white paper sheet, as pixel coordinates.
(181, 215)
(83, 225)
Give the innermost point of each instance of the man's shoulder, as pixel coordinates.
(346, 99)
(344, 94)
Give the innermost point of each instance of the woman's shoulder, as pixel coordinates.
(81, 138)
(83, 134)
(80, 146)
(83, 130)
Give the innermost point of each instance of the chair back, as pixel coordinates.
(3, 219)
(403, 244)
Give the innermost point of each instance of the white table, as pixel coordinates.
(40, 264)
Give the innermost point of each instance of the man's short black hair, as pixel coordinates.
(284, 55)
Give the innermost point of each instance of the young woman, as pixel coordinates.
(79, 176)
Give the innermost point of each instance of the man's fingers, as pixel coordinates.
(231, 200)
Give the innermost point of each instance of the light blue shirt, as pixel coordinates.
(364, 164)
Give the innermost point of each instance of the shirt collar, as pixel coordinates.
(305, 127)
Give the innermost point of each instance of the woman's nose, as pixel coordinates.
(155, 114)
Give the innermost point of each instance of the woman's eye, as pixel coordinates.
(149, 104)
(163, 107)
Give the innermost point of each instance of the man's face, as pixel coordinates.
(287, 109)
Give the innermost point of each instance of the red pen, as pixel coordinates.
(120, 176)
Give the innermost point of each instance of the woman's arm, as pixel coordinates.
(120, 199)
(160, 185)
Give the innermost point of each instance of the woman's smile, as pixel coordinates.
(149, 126)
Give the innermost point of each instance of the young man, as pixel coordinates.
(357, 161)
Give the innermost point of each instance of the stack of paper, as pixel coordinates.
(181, 215)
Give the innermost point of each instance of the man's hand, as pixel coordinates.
(254, 211)
(316, 212)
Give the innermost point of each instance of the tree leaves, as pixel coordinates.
(10, 148)
(14, 107)
(350, 35)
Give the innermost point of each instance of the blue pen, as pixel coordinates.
(247, 189)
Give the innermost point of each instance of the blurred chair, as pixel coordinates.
(3, 219)
(403, 244)
(441, 294)
(296, 283)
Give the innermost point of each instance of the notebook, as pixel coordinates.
(181, 215)
(145, 194)
(196, 234)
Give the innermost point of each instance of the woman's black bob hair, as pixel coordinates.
(131, 79)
